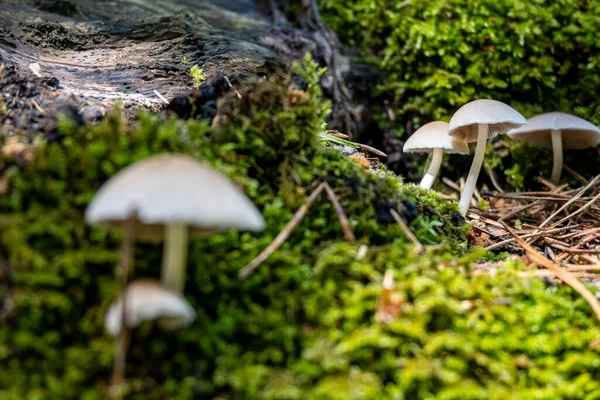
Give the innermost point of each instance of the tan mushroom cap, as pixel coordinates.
(434, 135)
(499, 117)
(577, 133)
(172, 188)
(147, 300)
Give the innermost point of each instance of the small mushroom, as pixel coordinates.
(173, 197)
(147, 300)
(476, 122)
(557, 130)
(433, 138)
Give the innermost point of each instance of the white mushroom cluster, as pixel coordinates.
(481, 120)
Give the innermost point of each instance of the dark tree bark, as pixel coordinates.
(92, 54)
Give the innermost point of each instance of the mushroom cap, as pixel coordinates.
(499, 117)
(434, 135)
(172, 188)
(147, 300)
(577, 133)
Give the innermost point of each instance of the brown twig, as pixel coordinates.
(574, 174)
(37, 106)
(573, 199)
(283, 235)
(492, 175)
(559, 272)
(534, 234)
(450, 184)
(582, 242)
(546, 183)
(348, 234)
(542, 273)
(594, 344)
(370, 149)
(583, 268)
(524, 195)
(578, 211)
(573, 235)
(337, 134)
(419, 246)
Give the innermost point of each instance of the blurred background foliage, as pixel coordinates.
(436, 55)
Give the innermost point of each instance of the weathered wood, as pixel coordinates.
(92, 54)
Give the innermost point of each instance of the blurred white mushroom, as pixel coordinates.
(147, 300)
(172, 197)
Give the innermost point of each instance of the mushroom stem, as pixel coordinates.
(434, 167)
(465, 198)
(125, 267)
(558, 156)
(175, 256)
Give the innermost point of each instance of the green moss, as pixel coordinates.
(302, 325)
(438, 55)
(54, 345)
(459, 336)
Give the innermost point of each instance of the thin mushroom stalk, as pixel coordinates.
(434, 167)
(557, 150)
(121, 347)
(469, 188)
(175, 256)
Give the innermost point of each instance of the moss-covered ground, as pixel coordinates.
(302, 326)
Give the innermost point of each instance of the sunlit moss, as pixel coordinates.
(302, 325)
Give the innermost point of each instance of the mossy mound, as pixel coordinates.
(53, 345)
(459, 336)
(302, 325)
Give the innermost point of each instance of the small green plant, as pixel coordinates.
(427, 230)
(197, 75)
(329, 138)
(185, 61)
(3, 107)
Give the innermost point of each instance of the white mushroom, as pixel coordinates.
(172, 197)
(476, 122)
(433, 138)
(557, 130)
(147, 300)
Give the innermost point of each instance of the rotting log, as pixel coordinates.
(93, 54)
